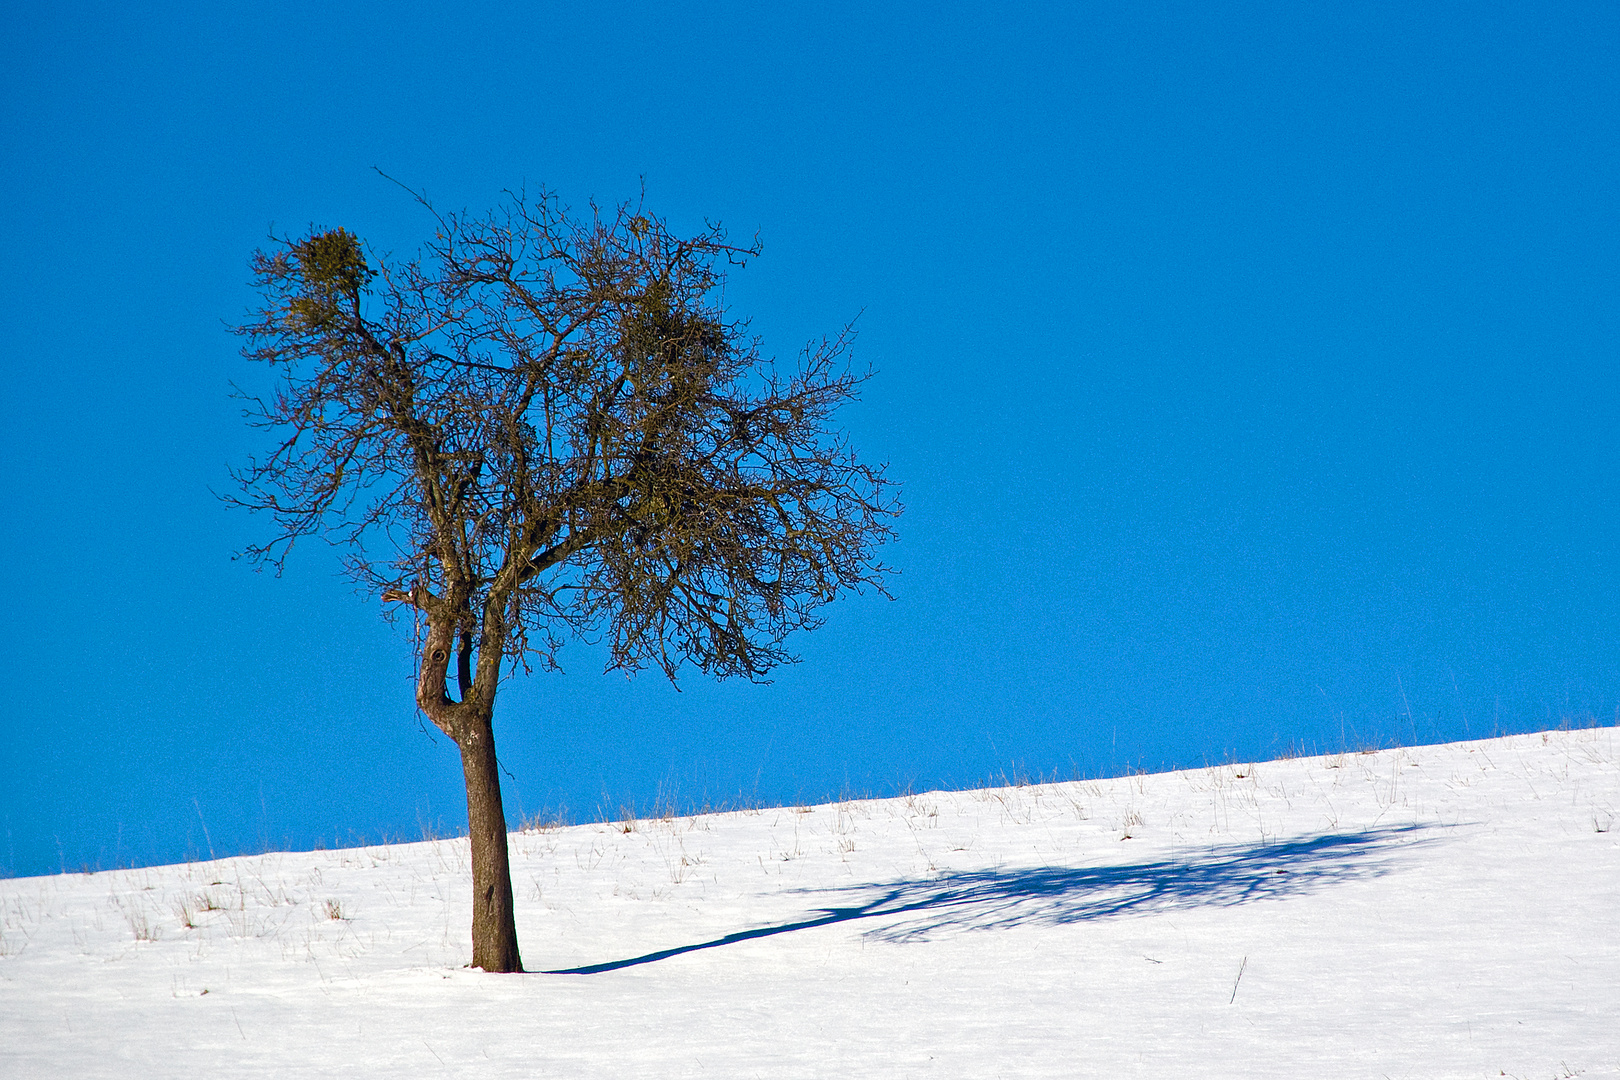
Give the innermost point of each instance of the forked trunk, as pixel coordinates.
(494, 930)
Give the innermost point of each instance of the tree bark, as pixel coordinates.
(494, 929)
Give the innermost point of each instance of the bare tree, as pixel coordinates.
(545, 425)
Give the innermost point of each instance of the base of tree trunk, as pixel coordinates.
(494, 927)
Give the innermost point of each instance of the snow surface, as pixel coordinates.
(1430, 912)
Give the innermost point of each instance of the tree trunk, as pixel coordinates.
(494, 930)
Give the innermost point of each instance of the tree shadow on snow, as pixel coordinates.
(1057, 895)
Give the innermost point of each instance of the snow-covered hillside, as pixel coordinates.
(1430, 912)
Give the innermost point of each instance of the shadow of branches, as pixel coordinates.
(1058, 895)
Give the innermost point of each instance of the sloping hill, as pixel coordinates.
(1430, 912)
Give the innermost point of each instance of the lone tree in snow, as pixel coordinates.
(546, 425)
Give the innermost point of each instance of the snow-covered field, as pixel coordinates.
(1430, 912)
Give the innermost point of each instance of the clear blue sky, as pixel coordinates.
(1250, 369)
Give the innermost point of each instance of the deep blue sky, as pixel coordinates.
(1250, 369)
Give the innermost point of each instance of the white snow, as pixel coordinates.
(1431, 912)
